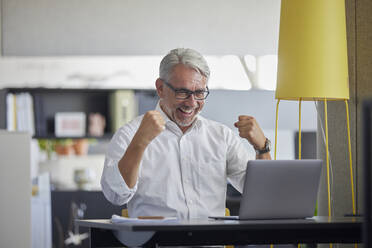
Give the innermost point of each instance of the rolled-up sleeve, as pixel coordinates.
(237, 159)
(113, 185)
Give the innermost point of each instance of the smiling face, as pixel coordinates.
(182, 112)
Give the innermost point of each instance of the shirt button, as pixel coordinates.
(191, 202)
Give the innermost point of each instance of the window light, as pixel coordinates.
(265, 70)
(227, 72)
(139, 72)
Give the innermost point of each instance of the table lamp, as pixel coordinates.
(312, 62)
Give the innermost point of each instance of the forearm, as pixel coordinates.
(151, 126)
(130, 162)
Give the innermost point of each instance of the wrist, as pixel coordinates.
(260, 146)
(265, 149)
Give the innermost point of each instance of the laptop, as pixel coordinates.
(279, 189)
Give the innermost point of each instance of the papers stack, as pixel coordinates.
(20, 113)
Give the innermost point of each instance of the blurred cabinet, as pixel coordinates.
(41, 223)
(68, 205)
(15, 189)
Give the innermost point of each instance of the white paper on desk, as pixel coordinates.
(119, 219)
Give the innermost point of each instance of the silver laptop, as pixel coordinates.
(279, 189)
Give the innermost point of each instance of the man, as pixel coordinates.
(173, 162)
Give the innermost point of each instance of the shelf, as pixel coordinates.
(116, 106)
(105, 136)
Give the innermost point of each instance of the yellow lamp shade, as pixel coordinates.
(312, 56)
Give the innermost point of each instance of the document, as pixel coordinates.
(142, 219)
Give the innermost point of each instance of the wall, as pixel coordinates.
(363, 85)
(124, 27)
(359, 32)
(1, 27)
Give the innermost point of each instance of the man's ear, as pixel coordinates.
(159, 87)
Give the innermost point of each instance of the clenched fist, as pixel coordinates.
(151, 126)
(249, 129)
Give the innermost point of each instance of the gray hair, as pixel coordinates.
(185, 56)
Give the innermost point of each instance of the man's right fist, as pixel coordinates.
(151, 126)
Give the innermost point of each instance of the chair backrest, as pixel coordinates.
(124, 212)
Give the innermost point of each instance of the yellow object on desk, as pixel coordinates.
(35, 190)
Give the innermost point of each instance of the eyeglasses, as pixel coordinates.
(182, 94)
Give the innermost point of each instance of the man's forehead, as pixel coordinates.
(184, 76)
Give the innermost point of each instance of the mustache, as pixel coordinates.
(188, 107)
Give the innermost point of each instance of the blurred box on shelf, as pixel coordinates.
(70, 124)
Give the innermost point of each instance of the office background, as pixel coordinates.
(93, 28)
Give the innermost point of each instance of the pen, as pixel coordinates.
(151, 217)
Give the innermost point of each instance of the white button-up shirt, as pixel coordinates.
(181, 174)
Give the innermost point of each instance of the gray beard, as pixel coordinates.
(179, 122)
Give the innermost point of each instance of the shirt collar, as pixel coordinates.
(197, 123)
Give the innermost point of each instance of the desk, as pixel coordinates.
(224, 232)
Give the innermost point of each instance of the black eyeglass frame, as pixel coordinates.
(188, 92)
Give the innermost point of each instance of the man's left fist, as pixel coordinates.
(249, 129)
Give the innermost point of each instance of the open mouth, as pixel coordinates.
(185, 112)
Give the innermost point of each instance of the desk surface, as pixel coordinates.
(210, 224)
(209, 231)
